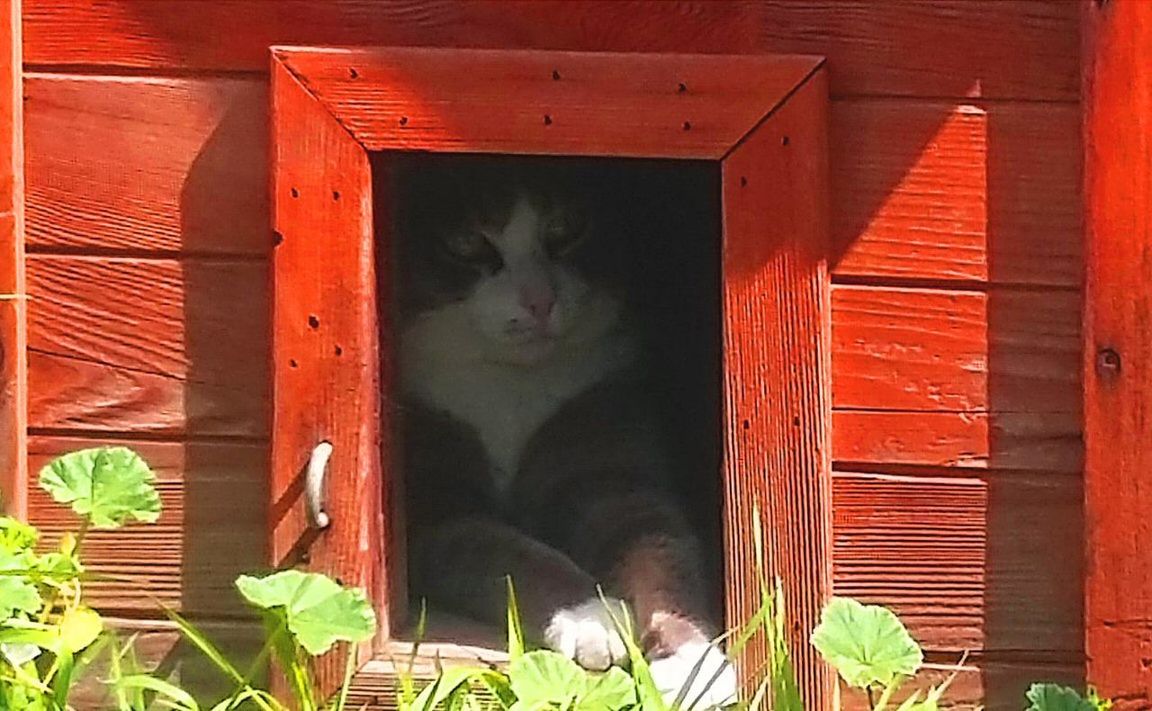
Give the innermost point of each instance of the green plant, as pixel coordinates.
(304, 616)
(48, 635)
(1054, 697)
(543, 680)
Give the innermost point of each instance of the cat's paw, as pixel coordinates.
(586, 634)
(713, 686)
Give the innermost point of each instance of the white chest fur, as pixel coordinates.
(505, 404)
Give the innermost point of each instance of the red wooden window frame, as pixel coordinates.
(1117, 60)
(763, 118)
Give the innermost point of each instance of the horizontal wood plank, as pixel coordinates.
(921, 190)
(936, 350)
(954, 48)
(987, 563)
(159, 346)
(133, 164)
(932, 190)
(167, 346)
(211, 527)
(1046, 441)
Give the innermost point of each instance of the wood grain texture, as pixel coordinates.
(13, 313)
(1118, 347)
(921, 190)
(210, 530)
(156, 346)
(330, 375)
(134, 163)
(966, 351)
(777, 372)
(971, 192)
(546, 103)
(988, 563)
(914, 377)
(1025, 49)
(1044, 442)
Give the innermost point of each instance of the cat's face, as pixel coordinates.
(512, 262)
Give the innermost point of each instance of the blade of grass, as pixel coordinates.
(145, 682)
(349, 669)
(212, 652)
(515, 627)
(651, 699)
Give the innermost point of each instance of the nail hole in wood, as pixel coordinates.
(292, 363)
(277, 238)
(743, 181)
(681, 88)
(403, 120)
(547, 120)
(745, 424)
(795, 421)
(785, 140)
(313, 321)
(353, 73)
(335, 194)
(1108, 362)
(555, 75)
(687, 125)
(339, 351)
(295, 192)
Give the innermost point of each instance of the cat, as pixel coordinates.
(532, 447)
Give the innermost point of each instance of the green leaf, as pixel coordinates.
(447, 684)
(79, 627)
(17, 595)
(544, 676)
(1054, 697)
(205, 645)
(183, 700)
(866, 644)
(16, 536)
(609, 691)
(107, 485)
(318, 610)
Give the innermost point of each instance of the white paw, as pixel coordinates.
(586, 634)
(671, 675)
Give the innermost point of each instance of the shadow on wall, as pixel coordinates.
(223, 204)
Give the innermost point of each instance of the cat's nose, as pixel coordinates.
(538, 301)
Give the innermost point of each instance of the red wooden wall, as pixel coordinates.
(1118, 230)
(13, 369)
(956, 217)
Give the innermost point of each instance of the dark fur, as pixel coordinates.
(595, 498)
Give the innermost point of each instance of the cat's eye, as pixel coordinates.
(561, 235)
(470, 246)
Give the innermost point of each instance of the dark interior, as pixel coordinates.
(671, 213)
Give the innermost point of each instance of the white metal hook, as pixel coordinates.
(314, 484)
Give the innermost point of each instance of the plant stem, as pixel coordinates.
(80, 536)
(871, 698)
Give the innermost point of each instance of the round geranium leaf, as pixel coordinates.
(545, 677)
(319, 611)
(1054, 697)
(106, 485)
(866, 644)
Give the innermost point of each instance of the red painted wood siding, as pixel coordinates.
(956, 281)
